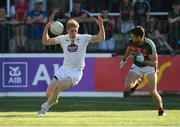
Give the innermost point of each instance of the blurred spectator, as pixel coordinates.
(2, 15)
(109, 22)
(154, 34)
(79, 15)
(12, 10)
(174, 20)
(6, 24)
(36, 20)
(58, 15)
(125, 22)
(21, 9)
(141, 12)
(3, 36)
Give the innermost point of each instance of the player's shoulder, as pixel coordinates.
(150, 42)
(84, 36)
(130, 42)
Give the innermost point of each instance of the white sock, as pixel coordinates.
(46, 106)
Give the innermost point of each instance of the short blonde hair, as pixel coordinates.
(72, 23)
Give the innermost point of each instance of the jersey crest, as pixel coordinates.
(72, 47)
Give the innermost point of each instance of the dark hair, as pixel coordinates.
(138, 31)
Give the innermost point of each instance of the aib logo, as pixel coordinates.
(14, 74)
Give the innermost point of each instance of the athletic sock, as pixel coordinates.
(46, 106)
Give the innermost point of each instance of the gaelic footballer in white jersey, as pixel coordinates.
(74, 49)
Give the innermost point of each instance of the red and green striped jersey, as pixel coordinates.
(147, 48)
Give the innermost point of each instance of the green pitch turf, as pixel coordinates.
(90, 112)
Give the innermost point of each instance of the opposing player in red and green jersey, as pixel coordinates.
(145, 61)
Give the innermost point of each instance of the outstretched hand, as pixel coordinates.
(49, 23)
(99, 20)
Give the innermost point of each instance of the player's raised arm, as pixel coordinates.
(101, 35)
(46, 40)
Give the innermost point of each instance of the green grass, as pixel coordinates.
(90, 112)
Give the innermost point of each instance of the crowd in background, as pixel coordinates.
(22, 30)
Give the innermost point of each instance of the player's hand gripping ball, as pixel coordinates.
(57, 28)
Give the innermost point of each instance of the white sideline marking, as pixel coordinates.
(64, 94)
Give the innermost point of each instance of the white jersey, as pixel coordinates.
(74, 50)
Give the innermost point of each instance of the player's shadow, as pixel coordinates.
(88, 104)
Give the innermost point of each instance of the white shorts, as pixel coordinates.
(64, 72)
(142, 70)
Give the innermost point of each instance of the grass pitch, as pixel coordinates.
(131, 111)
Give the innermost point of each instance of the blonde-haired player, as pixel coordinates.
(74, 48)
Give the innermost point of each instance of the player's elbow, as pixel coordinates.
(153, 57)
(102, 38)
(48, 41)
(154, 63)
(45, 42)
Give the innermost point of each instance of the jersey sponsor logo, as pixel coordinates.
(72, 48)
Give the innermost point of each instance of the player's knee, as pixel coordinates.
(48, 94)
